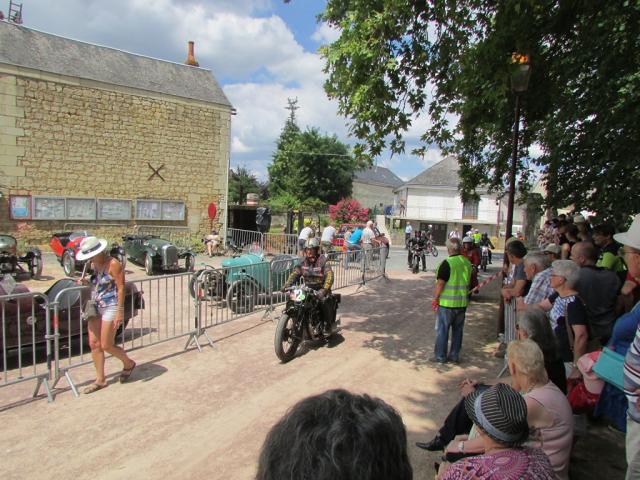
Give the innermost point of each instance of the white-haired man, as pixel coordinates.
(630, 241)
(538, 272)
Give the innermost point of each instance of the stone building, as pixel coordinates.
(97, 136)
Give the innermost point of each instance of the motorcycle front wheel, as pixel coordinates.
(286, 343)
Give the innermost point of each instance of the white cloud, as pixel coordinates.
(325, 34)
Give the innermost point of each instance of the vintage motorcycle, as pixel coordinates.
(301, 320)
(417, 253)
(484, 259)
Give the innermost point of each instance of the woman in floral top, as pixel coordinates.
(108, 295)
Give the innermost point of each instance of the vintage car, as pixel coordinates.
(65, 246)
(10, 260)
(380, 238)
(25, 319)
(243, 280)
(156, 254)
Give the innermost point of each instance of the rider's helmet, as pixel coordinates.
(430, 226)
(312, 244)
(485, 235)
(467, 240)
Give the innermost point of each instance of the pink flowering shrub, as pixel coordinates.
(348, 210)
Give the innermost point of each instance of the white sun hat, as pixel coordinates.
(632, 236)
(90, 247)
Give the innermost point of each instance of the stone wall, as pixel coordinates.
(61, 136)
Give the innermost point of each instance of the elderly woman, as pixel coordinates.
(548, 414)
(501, 421)
(567, 312)
(108, 294)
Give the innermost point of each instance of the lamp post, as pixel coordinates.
(519, 83)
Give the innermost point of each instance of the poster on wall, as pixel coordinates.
(20, 207)
(109, 209)
(49, 208)
(148, 210)
(172, 210)
(81, 208)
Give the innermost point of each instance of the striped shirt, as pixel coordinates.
(632, 371)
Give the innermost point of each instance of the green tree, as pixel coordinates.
(309, 168)
(397, 60)
(241, 182)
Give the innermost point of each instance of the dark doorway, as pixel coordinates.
(465, 229)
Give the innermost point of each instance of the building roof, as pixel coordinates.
(30, 48)
(378, 176)
(442, 174)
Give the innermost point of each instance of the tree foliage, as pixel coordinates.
(241, 182)
(348, 210)
(309, 168)
(398, 60)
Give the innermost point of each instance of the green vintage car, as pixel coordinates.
(243, 281)
(156, 254)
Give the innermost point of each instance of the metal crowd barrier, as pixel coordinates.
(510, 332)
(25, 326)
(274, 243)
(157, 310)
(245, 238)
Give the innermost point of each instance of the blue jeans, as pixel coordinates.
(449, 318)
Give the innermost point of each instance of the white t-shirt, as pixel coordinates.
(408, 229)
(305, 233)
(367, 236)
(328, 233)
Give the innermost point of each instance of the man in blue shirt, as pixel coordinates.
(353, 244)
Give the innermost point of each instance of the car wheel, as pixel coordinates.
(35, 266)
(68, 264)
(190, 263)
(148, 264)
(242, 296)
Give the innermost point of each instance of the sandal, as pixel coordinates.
(94, 387)
(126, 373)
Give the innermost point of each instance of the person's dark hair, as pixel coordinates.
(534, 321)
(572, 229)
(604, 229)
(336, 436)
(517, 249)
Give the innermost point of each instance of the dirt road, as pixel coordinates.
(205, 415)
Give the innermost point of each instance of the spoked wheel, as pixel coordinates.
(190, 263)
(35, 267)
(415, 264)
(286, 341)
(68, 264)
(148, 264)
(434, 251)
(242, 296)
(483, 265)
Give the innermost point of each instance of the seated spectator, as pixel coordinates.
(533, 325)
(584, 229)
(571, 235)
(598, 288)
(552, 251)
(567, 313)
(608, 250)
(499, 415)
(336, 436)
(536, 267)
(516, 252)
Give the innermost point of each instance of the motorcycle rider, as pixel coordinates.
(420, 241)
(317, 275)
(485, 241)
(470, 251)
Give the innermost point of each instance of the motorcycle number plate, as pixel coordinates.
(298, 295)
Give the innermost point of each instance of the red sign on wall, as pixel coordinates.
(213, 210)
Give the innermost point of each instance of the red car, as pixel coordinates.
(379, 240)
(66, 245)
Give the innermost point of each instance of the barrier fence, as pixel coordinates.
(44, 335)
(510, 332)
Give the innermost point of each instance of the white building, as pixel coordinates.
(432, 197)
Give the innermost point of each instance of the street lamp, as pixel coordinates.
(519, 83)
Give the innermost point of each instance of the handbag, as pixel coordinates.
(609, 367)
(90, 310)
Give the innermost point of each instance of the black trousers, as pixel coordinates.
(457, 422)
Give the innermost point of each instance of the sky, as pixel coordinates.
(260, 51)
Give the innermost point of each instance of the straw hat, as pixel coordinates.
(631, 237)
(90, 247)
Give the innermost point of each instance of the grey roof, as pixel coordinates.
(30, 48)
(378, 176)
(442, 174)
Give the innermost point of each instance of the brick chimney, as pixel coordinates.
(191, 59)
